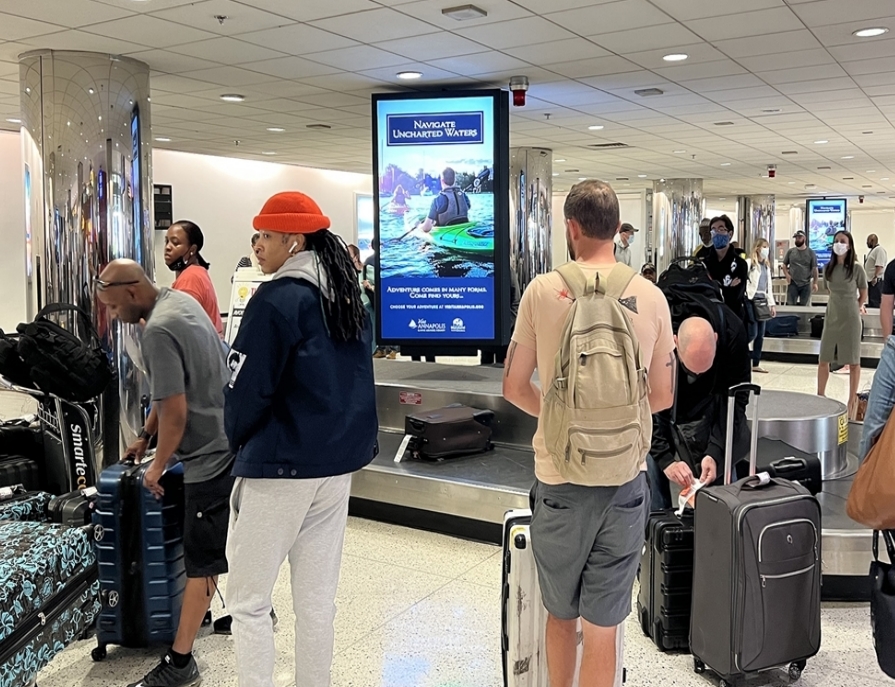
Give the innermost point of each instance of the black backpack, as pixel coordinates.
(690, 290)
(12, 367)
(60, 362)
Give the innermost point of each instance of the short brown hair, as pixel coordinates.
(594, 205)
(449, 176)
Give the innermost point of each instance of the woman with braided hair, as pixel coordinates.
(300, 415)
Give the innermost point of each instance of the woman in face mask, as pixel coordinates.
(183, 241)
(759, 299)
(841, 339)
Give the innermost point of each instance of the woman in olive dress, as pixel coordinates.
(841, 340)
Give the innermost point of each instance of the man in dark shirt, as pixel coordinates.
(689, 439)
(726, 267)
(887, 300)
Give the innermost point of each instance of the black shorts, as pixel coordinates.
(205, 523)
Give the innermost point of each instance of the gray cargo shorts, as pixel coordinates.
(587, 544)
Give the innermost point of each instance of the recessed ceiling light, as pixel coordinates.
(91, 91)
(884, 179)
(871, 171)
(848, 157)
(161, 139)
(232, 97)
(722, 199)
(679, 152)
(13, 120)
(268, 152)
(560, 160)
(276, 129)
(790, 182)
(725, 164)
(582, 178)
(641, 176)
(595, 127)
(820, 143)
(556, 174)
(409, 76)
(871, 32)
(318, 126)
(27, 89)
(464, 12)
(676, 57)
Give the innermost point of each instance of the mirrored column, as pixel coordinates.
(531, 222)
(678, 207)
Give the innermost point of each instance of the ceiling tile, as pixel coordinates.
(16, 28)
(498, 10)
(297, 39)
(228, 76)
(147, 30)
(598, 66)
(653, 59)
(432, 46)
(239, 17)
(825, 12)
(701, 70)
(71, 13)
(480, 63)
(516, 32)
(875, 66)
(699, 9)
(787, 76)
(803, 58)
(647, 38)
(383, 24)
(289, 68)
(350, 59)
(560, 5)
(170, 62)
(864, 51)
(143, 7)
(228, 51)
(760, 23)
(611, 17)
(309, 11)
(552, 52)
(770, 44)
(78, 40)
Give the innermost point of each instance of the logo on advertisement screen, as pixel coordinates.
(458, 326)
(425, 327)
(435, 129)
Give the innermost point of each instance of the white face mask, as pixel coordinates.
(765, 252)
(840, 248)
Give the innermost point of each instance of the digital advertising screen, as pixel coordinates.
(823, 218)
(441, 203)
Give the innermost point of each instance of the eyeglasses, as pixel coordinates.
(103, 285)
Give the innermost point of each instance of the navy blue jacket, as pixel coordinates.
(299, 405)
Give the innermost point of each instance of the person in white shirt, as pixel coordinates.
(623, 241)
(875, 266)
(759, 299)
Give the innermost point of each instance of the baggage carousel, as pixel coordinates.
(469, 496)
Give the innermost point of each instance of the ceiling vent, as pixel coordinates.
(790, 152)
(867, 186)
(649, 92)
(608, 145)
(825, 167)
(723, 123)
(848, 178)
(572, 171)
(622, 179)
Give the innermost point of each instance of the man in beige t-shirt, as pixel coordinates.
(586, 540)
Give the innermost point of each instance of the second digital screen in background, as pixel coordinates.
(436, 218)
(823, 219)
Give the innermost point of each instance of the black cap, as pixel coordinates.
(799, 233)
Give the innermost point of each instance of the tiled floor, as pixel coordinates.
(423, 610)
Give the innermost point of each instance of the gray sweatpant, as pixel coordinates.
(272, 520)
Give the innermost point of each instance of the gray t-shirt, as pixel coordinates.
(875, 258)
(801, 265)
(184, 355)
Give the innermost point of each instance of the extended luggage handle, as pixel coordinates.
(755, 390)
(890, 544)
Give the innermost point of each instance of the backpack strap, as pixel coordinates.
(575, 279)
(617, 281)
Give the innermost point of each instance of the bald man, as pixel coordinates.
(187, 373)
(689, 440)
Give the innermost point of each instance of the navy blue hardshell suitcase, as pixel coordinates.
(139, 543)
(50, 595)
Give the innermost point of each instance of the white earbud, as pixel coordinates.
(293, 247)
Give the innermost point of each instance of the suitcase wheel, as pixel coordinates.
(644, 624)
(724, 683)
(698, 666)
(98, 654)
(795, 670)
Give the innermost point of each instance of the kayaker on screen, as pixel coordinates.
(451, 206)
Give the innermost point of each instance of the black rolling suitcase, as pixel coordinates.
(20, 470)
(666, 581)
(449, 432)
(757, 566)
(779, 459)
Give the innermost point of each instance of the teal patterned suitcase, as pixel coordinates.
(18, 504)
(49, 595)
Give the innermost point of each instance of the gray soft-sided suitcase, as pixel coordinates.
(756, 573)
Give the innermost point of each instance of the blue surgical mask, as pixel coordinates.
(631, 240)
(720, 241)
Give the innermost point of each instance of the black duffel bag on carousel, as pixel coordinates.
(59, 361)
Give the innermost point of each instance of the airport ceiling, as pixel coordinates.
(783, 82)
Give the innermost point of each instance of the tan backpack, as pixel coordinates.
(596, 415)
